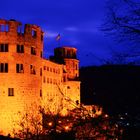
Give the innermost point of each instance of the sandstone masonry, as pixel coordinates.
(27, 78)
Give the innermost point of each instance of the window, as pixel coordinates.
(19, 68)
(76, 67)
(32, 69)
(47, 68)
(40, 71)
(54, 81)
(58, 71)
(48, 80)
(3, 47)
(20, 48)
(44, 67)
(34, 33)
(20, 29)
(44, 79)
(10, 91)
(33, 51)
(4, 27)
(41, 37)
(40, 93)
(41, 54)
(54, 70)
(4, 67)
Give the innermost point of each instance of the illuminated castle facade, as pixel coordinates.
(27, 78)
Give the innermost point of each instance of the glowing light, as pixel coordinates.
(106, 116)
(66, 128)
(50, 123)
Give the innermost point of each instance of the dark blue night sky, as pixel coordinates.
(77, 21)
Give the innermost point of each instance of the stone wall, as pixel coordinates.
(26, 78)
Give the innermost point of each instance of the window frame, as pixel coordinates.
(3, 67)
(19, 68)
(4, 47)
(10, 91)
(32, 69)
(20, 48)
(33, 50)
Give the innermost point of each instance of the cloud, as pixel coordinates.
(50, 34)
(77, 21)
(72, 29)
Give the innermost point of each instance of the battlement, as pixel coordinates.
(17, 30)
(65, 52)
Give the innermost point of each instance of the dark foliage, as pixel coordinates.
(116, 88)
(7, 138)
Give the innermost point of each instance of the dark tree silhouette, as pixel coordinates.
(123, 20)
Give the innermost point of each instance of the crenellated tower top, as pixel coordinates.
(68, 56)
(15, 31)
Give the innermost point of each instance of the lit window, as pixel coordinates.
(4, 67)
(3, 47)
(32, 69)
(19, 68)
(10, 91)
(20, 48)
(33, 51)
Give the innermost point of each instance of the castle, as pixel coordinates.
(26, 77)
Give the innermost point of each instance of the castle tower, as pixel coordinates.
(67, 55)
(27, 80)
(20, 67)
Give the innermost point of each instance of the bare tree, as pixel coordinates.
(123, 20)
(122, 23)
(29, 125)
(80, 123)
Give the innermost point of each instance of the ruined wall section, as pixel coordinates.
(24, 85)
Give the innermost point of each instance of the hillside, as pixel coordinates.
(115, 87)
